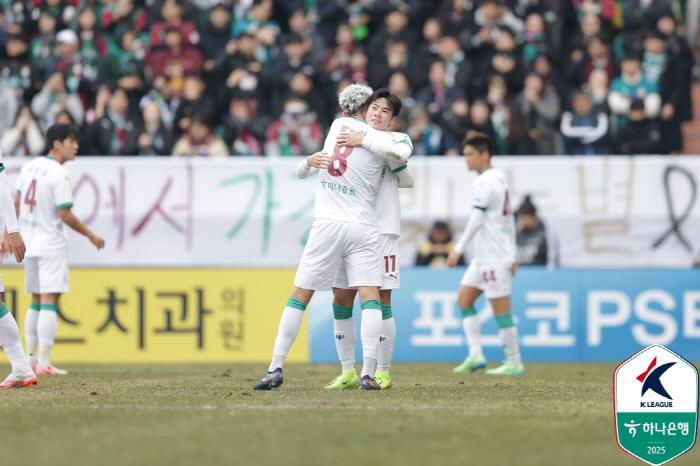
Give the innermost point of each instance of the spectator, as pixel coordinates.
(62, 10)
(176, 61)
(15, 17)
(398, 84)
(429, 48)
(18, 74)
(24, 138)
(585, 132)
(395, 28)
(238, 68)
(597, 56)
(152, 137)
(173, 12)
(507, 62)
(8, 103)
(641, 135)
(315, 45)
(480, 119)
(54, 98)
(163, 95)
(358, 66)
(631, 85)
(68, 61)
(244, 130)
(597, 89)
(124, 13)
(535, 38)
(532, 242)
(454, 123)
(425, 135)
(397, 59)
(438, 96)
(457, 67)
(115, 131)
(337, 61)
(662, 70)
(434, 251)
(455, 16)
(294, 60)
(93, 44)
(124, 67)
(678, 48)
(296, 132)
(358, 18)
(265, 30)
(41, 48)
(508, 131)
(539, 107)
(215, 34)
(200, 140)
(194, 103)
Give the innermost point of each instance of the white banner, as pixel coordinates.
(254, 212)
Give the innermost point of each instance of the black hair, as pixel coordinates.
(60, 132)
(393, 100)
(479, 141)
(527, 207)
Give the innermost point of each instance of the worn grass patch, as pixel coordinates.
(557, 414)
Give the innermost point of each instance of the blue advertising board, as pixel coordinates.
(562, 315)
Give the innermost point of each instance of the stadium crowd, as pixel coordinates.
(260, 77)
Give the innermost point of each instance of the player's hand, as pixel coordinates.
(318, 160)
(453, 259)
(97, 241)
(514, 267)
(15, 245)
(350, 138)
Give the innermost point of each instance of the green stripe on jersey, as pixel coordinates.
(404, 141)
(63, 206)
(480, 208)
(2, 168)
(359, 119)
(3, 309)
(402, 167)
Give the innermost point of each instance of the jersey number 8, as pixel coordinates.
(339, 162)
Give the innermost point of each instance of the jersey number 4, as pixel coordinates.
(339, 162)
(30, 196)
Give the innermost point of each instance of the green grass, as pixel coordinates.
(557, 414)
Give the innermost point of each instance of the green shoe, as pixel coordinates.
(507, 369)
(383, 380)
(471, 364)
(348, 380)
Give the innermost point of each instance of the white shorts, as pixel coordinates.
(331, 242)
(46, 274)
(388, 264)
(493, 278)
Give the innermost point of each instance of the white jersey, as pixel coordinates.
(495, 240)
(388, 207)
(348, 188)
(44, 186)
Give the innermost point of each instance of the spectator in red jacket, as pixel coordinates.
(173, 12)
(176, 61)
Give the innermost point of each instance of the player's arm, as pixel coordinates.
(312, 164)
(379, 143)
(476, 220)
(404, 176)
(12, 242)
(72, 221)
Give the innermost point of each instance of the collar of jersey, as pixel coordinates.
(51, 158)
(359, 119)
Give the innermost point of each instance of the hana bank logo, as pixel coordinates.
(651, 379)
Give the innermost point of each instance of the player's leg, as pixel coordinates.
(345, 337)
(498, 292)
(386, 341)
(391, 280)
(46, 329)
(362, 262)
(53, 282)
(31, 320)
(22, 374)
(316, 270)
(469, 290)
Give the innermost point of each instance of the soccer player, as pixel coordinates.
(492, 227)
(381, 115)
(43, 201)
(22, 374)
(345, 230)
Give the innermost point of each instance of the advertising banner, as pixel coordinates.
(254, 212)
(561, 315)
(166, 315)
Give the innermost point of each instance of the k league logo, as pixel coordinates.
(656, 405)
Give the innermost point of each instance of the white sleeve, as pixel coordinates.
(7, 204)
(400, 150)
(303, 172)
(476, 220)
(404, 176)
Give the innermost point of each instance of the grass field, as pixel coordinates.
(557, 414)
